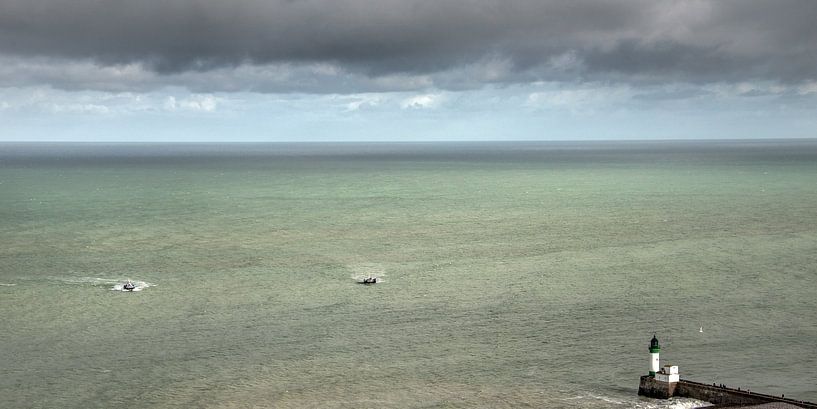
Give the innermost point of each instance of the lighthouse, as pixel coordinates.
(654, 350)
(661, 382)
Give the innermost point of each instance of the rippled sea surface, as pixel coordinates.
(513, 274)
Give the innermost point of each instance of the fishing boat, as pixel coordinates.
(129, 286)
(369, 280)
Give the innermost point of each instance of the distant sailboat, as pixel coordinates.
(701, 329)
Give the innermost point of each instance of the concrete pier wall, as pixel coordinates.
(651, 388)
(709, 393)
(729, 396)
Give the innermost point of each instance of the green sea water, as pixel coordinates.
(513, 274)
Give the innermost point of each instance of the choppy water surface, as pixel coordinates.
(514, 275)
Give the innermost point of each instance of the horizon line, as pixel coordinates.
(423, 141)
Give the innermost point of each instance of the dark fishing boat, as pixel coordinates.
(369, 280)
(129, 286)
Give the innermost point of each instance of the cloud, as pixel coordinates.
(585, 99)
(199, 103)
(421, 101)
(43, 100)
(357, 102)
(808, 88)
(353, 46)
(135, 77)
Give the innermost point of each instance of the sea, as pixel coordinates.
(511, 275)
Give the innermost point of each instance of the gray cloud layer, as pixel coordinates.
(449, 44)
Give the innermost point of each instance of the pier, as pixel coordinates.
(721, 397)
(665, 383)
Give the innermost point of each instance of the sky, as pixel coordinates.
(406, 70)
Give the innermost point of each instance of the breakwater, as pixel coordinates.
(715, 394)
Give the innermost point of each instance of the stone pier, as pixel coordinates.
(721, 397)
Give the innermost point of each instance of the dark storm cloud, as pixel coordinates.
(449, 41)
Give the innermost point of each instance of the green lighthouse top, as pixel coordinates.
(654, 347)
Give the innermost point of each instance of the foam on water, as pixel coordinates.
(117, 284)
(83, 280)
(366, 270)
(359, 278)
(140, 285)
(682, 404)
(594, 399)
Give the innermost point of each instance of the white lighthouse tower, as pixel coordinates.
(661, 382)
(669, 373)
(654, 350)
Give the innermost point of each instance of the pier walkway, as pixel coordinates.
(720, 396)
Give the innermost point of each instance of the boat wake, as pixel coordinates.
(115, 284)
(137, 286)
(362, 278)
(362, 271)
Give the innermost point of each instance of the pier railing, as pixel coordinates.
(724, 395)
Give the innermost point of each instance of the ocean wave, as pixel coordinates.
(639, 403)
(7, 285)
(674, 403)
